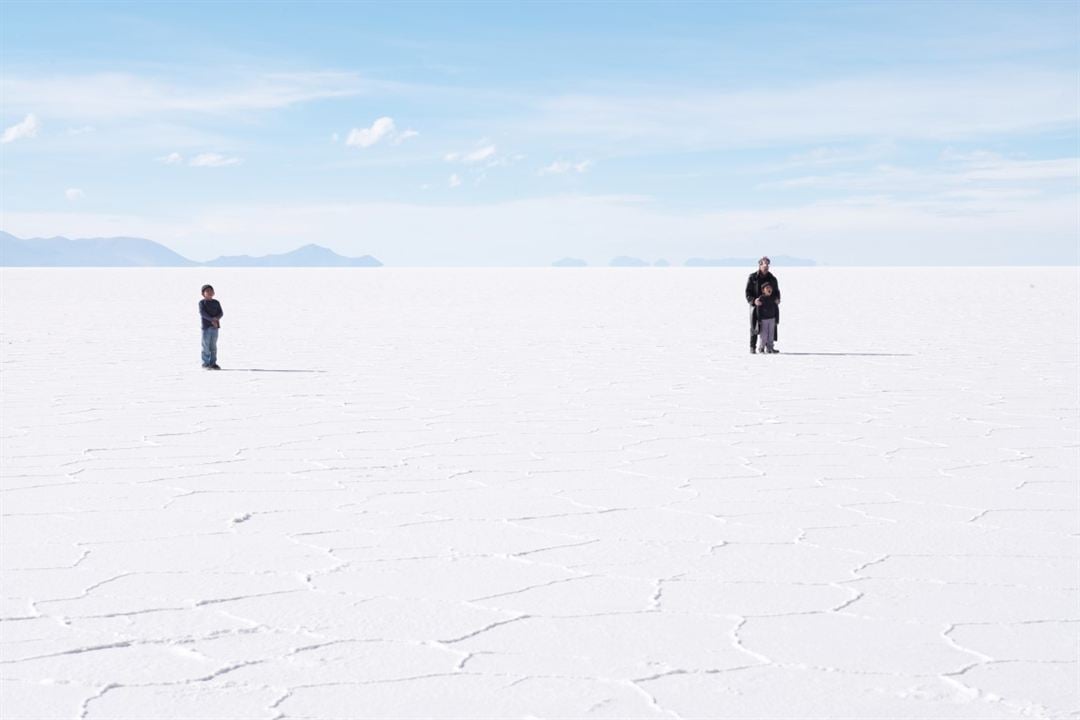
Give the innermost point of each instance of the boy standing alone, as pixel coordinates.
(211, 312)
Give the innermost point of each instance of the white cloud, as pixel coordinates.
(206, 159)
(382, 129)
(28, 128)
(560, 167)
(485, 154)
(82, 130)
(366, 137)
(73, 194)
(479, 155)
(212, 160)
(455, 181)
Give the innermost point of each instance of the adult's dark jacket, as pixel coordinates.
(753, 292)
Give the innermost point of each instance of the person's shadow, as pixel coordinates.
(270, 370)
(848, 354)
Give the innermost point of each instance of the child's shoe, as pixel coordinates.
(215, 366)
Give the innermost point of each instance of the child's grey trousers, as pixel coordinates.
(767, 333)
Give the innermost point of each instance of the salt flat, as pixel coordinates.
(554, 493)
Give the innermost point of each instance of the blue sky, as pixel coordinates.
(520, 133)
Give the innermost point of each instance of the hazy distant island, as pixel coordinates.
(307, 256)
(624, 261)
(140, 252)
(778, 260)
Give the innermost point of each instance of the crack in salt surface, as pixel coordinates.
(486, 628)
(73, 651)
(84, 711)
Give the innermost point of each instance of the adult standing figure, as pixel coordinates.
(753, 291)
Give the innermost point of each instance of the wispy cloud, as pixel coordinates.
(947, 105)
(485, 153)
(969, 175)
(27, 128)
(119, 95)
(560, 167)
(206, 159)
(73, 194)
(833, 155)
(454, 181)
(213, 160)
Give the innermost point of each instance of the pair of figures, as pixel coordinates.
(763, 295)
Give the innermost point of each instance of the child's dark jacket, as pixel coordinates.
(768, 309)
(209, 310)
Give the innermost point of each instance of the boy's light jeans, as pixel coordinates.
(209, 346)
(767, 332)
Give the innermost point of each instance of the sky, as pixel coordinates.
(503, 134)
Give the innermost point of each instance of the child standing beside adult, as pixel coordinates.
(755, 285)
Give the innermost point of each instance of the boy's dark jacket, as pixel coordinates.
(768, 309)
(753, 292)
(209, 310)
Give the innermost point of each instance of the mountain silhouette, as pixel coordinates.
(140, 252)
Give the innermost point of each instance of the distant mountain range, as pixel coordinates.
(139, 252)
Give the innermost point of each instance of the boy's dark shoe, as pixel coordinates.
(215, 366)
